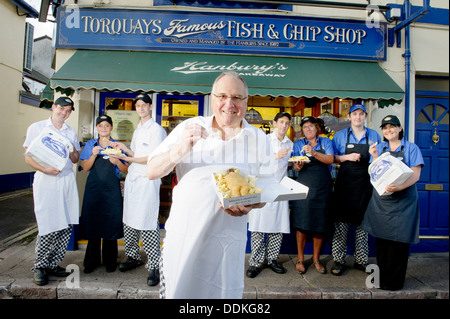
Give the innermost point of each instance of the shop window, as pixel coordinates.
(261, 117)
(222, 4)
(344, 107)
(121, 108)
(171, 110)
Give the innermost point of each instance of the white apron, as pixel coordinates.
(203, 253)
(273, 217)
(56, 204)
(141, 195)
(141, 201)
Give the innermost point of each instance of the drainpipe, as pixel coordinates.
(409, 18)
(407, 56)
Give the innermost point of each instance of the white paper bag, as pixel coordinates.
(50, 149)
(387, 169)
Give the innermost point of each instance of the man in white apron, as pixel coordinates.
(203, 254)
(141, 195)
(55, 196)
(273, 218)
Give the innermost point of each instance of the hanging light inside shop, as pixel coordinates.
(253, 116)
(328, 118)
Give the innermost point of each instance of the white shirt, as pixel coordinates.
(146, 138)
(281, 163)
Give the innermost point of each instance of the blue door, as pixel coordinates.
(432, 136)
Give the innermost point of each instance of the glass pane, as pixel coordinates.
(175, 111)
(444, 120)
(439, 111)
(421, 118)
(429, 110)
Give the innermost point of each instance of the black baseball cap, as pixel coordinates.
(63, 101)
(102, 118)
(310, 119)
(390, 119)
(281, 114)
(143, 97)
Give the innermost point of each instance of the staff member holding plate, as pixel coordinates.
(310, 215)
(394, 219)
(101, 213)
(141, 195)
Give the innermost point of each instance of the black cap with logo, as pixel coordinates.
(63, 101)
(390, 119)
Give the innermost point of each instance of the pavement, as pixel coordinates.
(427, 277)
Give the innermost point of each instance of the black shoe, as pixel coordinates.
(253, 271)
(153, 277)
(40, 276)
(276, 267)
(130, 264)
(111, 268)
(360, 267)
(337, 269)
(58, 272)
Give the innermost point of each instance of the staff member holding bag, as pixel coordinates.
(394, 219)
(55, 196)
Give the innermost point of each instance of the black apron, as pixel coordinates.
(312, 213)
(352, 190)
(101, 213)
(394, 217)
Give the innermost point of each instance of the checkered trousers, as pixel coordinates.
(262, 250)
(339, 244)
(151, 242)
(51, 248)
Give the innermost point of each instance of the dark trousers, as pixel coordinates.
(96, 251)
(392, 260)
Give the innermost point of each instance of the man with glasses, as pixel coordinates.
(203, 254)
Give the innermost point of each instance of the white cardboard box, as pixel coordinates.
(387, 169)
(50, 149)
(271, 191)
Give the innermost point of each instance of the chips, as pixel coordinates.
(228, 188)
(299, 159)
(111, 151)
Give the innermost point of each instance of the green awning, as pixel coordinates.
(47, 94)
(188, 73)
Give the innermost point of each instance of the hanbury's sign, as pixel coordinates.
(119, 29)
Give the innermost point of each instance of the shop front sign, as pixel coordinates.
(256, 34)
